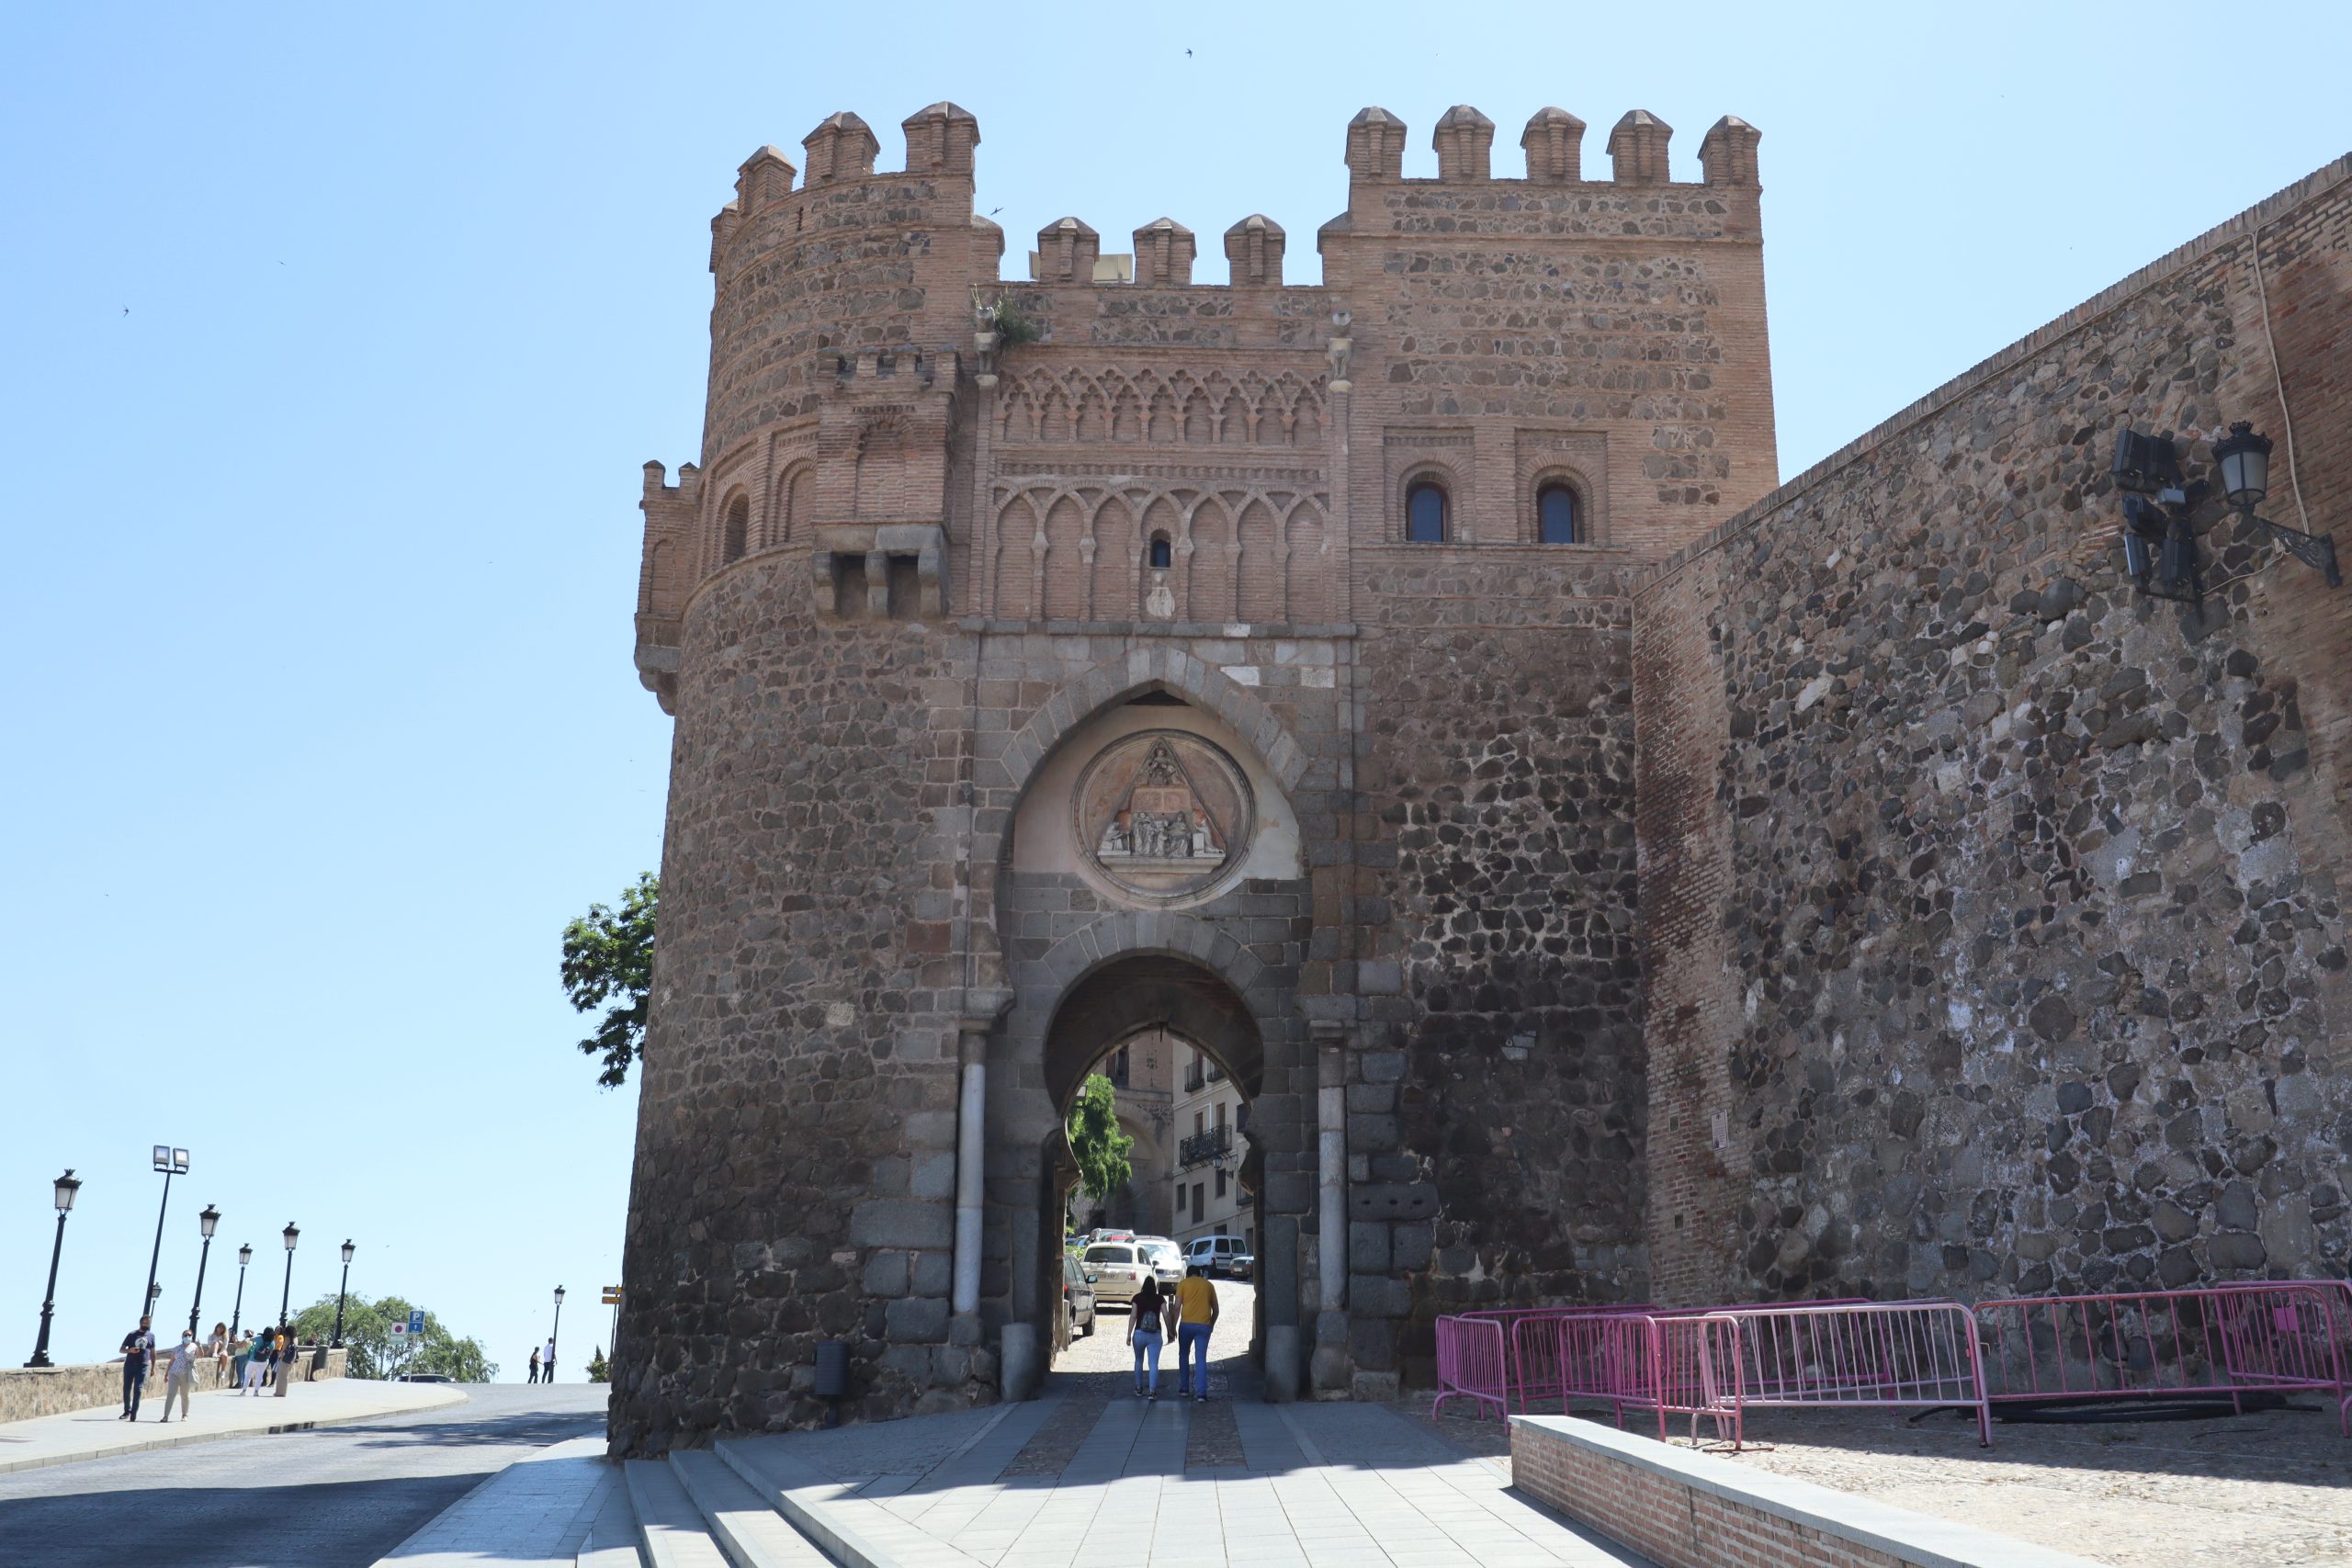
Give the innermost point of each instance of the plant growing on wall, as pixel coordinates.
(1095, 1137)
(1013, 324)
(608, 956)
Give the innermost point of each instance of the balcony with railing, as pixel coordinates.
(1205, 1146)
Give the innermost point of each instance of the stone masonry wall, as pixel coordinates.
(795, 1160)
(1505, 1060)
(1995, 909)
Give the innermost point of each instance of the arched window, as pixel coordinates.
(1163, 554)
(737, 536)
(1425, 513)
(1556, 522)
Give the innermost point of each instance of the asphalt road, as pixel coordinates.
(340, 1498)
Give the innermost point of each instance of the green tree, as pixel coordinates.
(599, 1369)
(378, 1352)
(609, 957)
(1095, 1137)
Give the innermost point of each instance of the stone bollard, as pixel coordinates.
(1281, 1363)
(1020, 1369)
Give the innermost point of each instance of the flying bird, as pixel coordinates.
(994, 211)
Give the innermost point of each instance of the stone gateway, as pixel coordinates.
(1604, 873)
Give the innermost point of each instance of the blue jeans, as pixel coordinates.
(1148, 1348)
(1192, 1359)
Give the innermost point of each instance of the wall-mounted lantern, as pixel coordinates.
(2159, 541)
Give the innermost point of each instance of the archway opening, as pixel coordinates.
(1186, 1061)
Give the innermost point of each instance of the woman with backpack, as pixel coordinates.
(1147, 1330)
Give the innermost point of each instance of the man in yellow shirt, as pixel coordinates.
(1197, 1312)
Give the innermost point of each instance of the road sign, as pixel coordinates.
(400, 1328)
(612, 1295)
(416, 1320)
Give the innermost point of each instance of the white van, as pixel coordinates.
(1217, 1254)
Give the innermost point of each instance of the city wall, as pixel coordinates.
(27, 1391)
(1993, 914)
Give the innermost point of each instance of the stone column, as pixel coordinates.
(971, 1163)
(1330, 1365)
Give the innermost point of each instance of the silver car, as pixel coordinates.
(1167, 1259)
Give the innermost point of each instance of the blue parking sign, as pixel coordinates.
(416, 1320)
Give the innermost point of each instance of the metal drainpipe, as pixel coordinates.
(971, 1039)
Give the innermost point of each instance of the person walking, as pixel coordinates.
(547, 1364)
(239, 1354)
(534, 1364)
(284, 1355)
(1196, 1309)
(257, 1361)
(137, 1350)
(179, 1376)
(1144, 1329)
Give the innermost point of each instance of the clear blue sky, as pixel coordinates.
(321, 559)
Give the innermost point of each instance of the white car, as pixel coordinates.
(1217, 1254)
(1115, 1271)
(1167, 1259)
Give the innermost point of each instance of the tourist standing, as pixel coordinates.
(1143, 1327)
(547, 1364)
(138, 1350)
(534, 1364)
(284, 1355)
(179, 1376)
(1196, 1309)
(257, 1361)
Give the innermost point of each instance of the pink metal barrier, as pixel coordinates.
(1718, 1363)
(1470, 1363)
(2214, 1340)
(1531, 1371)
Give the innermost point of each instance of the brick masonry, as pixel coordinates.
(1685, 1509)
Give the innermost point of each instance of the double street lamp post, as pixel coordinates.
(66, 1189)
(341, 1291)
(210, 1220)
(286, 1296)
(236, 1312)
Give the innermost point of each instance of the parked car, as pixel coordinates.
(425, 1377)
(1078, 1296)
(1216, 1253)
(1167, 1258)
(1244, 1265)
(1115, 1271)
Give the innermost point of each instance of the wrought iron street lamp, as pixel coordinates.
(66, 1189)
(171, 1162)
(341, 1291)
(287, 1295)
(210, 1220)
(236, 1312)
(2159, 536)
(554, 1331)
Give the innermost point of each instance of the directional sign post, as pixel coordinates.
(613, 1300)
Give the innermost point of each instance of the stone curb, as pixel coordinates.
(210, 1435)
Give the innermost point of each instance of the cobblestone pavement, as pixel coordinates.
(2273, 1489)
(1091, 1475)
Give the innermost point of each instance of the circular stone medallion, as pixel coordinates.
(1162, 815)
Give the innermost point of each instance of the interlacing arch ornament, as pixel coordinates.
(1076, 549)
(1064, 405)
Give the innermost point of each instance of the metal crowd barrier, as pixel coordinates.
(1470, 1363)
(2214, 1341)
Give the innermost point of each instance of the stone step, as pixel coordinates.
(670, 1528)
(612, 1536)
(810, 1499)
(745, 1524)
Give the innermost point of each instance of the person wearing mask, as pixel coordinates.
(137, 1350)
(179, 1376)
(257, 1361)
(1144, 1332)
(285, 1358)
(534, 1364)
(1196, 1309)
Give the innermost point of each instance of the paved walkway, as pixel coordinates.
(533, 1514)
(1091, 1475)
(80, 1435)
